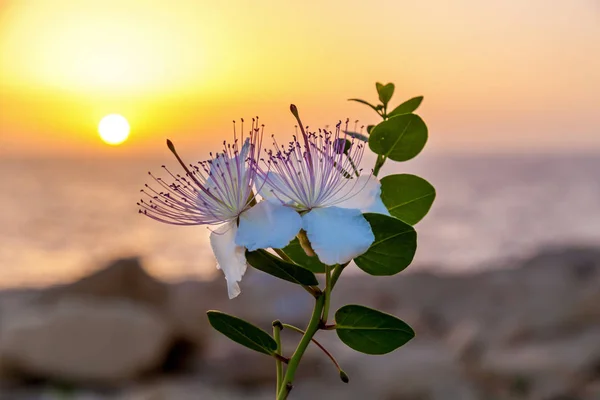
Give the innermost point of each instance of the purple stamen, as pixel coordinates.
(212, 191)
(315, 173)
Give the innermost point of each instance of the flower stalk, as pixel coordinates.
(277, 327)
(343, 375)
(311, 329)
(327, 295)
(337, 272)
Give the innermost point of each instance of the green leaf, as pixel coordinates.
(272, 265)
(399, 138)
(357, 135)
(385, 92)
(371, 331)
(342, 145)
(409, 106)
(393, 249)
(370, 128)
(296, 253)
(407, 197)
(364, 102)
(242, 332)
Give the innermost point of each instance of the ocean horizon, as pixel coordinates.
(63, 218)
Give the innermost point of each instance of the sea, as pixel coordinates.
(62, 218)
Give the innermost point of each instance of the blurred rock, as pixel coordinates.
(125, 279)
(549, 367)
(528, 331)
(423, 369)
(186, 309)
(122, 279)
(85, 342)
(190, 388)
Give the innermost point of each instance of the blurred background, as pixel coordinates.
(504, 292)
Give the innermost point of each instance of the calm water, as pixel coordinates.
(60, 219)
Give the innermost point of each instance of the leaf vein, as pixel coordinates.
(411, 201)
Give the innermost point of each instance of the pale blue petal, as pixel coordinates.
(337, 234)
(267, 225)
(365, 196)
(231, 258)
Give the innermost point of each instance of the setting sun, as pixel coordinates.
(113, 129)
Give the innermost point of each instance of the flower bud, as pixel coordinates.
(344, 377)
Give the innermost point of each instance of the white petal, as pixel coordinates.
(365, 196)
(225, 169)
(231, 258)
(336, 234)
(269, 189)
(245, 149)
(268, 225)
(219, 163)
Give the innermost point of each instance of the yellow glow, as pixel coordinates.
(113, 129)
(185, 68)
(106, 45)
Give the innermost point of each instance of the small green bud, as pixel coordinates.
(294, 110)
(277, 323)
(344, 377)
(171, 146)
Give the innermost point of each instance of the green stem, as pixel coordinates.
(277, 327)
(327, 295)
(311, 329)
(337, 271)
(378, 164)
(380, 159)
(319, 345)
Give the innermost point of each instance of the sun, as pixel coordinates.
(113, 129)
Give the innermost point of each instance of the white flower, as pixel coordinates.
(220, 192)
(319, 179)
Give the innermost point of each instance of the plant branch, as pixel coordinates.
(378, 164)
(281, 358)
(319, 345)
(277, 327)
(337, 271)
(311, 329)
(331, 327)
(327, 295)
(380, 158)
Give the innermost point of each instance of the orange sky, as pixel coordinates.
(508, 75)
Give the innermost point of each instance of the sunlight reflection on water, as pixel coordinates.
(60, 219)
